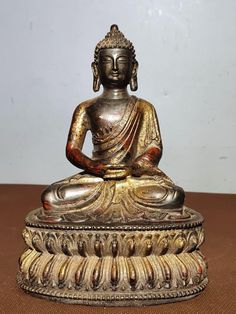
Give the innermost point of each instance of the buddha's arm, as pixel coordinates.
(77, 133)
(150, 158)
(150, 144)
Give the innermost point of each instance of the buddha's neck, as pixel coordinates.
(115, 93)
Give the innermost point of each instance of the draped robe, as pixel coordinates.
(85, 196)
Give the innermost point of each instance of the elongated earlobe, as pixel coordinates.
(96, 83)
(96, 78)
(133, 83)
(134, 80)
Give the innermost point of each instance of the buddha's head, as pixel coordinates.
(114, 63)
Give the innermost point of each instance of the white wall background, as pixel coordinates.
(187, 55)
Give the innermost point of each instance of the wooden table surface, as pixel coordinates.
(219, 211)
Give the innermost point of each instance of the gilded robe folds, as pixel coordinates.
(85, 196)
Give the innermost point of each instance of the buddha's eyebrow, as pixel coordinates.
(106, 55)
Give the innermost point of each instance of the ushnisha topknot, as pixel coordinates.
(114, 39)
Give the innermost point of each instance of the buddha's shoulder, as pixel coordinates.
(86, 104)
(145, 105)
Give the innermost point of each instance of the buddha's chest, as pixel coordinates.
(104, 117)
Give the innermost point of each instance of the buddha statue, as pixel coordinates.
(121, 182)
(117, 233)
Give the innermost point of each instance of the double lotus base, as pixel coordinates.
(114, 265)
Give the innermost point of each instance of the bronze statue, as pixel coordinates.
(127, 149)
(119, 229)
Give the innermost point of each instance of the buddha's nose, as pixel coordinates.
(115, 68)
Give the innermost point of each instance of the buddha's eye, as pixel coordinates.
(106, 59)
(123, 59)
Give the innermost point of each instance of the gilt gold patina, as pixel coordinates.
(117, 233)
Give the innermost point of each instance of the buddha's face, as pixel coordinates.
(115, 67)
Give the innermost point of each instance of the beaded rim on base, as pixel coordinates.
(195, 220)
(119, 300)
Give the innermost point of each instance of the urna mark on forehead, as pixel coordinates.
(114, 39)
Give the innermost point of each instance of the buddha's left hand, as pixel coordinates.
(139, 169)
(138, 172)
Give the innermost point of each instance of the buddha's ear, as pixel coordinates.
(134, 81)
(96, 77)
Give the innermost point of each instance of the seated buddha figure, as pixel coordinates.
(121, 182)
